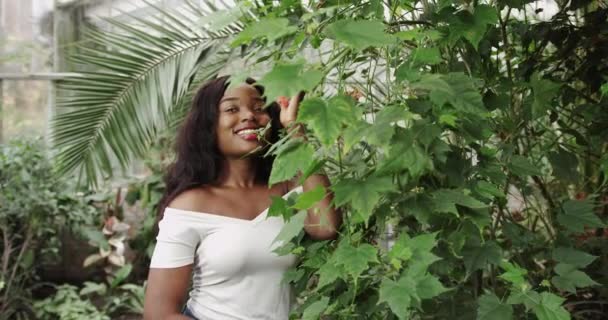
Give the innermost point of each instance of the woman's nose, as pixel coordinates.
(247, 114)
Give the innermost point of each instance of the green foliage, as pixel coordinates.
(476, 137)
(67, 304)
(360, 34)
(35, 208)
(289, 79)
(93, 300)
(490, 307)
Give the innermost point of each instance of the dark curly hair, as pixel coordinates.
(198, 160)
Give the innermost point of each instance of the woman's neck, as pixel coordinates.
(238, 173)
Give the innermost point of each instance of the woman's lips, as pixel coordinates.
(249, 136)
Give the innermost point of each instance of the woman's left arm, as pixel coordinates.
(323, 219)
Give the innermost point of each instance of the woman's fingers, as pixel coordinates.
(283, 101)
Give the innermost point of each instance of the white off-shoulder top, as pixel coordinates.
(235, 273)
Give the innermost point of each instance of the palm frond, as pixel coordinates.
(138, 80)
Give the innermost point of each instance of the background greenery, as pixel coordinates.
(466, 142)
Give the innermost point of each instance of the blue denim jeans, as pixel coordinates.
(188, 313)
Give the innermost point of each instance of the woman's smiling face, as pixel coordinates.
(241, 114)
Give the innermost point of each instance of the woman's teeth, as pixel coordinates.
(247, 132)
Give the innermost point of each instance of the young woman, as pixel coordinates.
(214, 230)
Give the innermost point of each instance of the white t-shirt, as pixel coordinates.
(235, 274)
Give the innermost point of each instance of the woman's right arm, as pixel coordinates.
(172, 262)
(166, 292)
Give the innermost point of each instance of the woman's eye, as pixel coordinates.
(232, 109)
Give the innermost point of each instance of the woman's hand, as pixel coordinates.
(289, 109)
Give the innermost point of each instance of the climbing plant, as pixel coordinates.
(467, 145)
(466, 142)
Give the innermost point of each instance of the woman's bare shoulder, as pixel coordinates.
(197, 200)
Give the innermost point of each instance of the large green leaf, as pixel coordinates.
(398, 295)
(326, 119)
(310, 198)
(573, 257)
(479, 256)
(269, 28)
(363, 195)
(454, 88)
(445, 200)
(360, 34)
(544, 91)
(403, 156)
(416, 251)
(313, 311)
(550, 307)
(430, 55)
(578, 214)
(292, 228)
(564, 165)
(513, 274)
(289, 162)
(289, 79)
(428, 287)
(328, 273)
(569, 278)
(472, 27)
(134, 84)
(355, 260)
(522, 167)
(491, 308)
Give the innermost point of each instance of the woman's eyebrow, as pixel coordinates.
(236, 99)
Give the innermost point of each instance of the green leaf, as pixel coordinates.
(355, 259)
(289, 162)
(314, 311)
(573, 257)
(292, 228)
(491, 308)
(529, 298)
(445, 200)
(564, 165)
(604, 89)
(362, 195)
(578, 214)
(417, 251)
(398, 295)
(513, 274)
(326, 119)
(310, 198)
(278, 207)
(454, 88)
(223, 18)
(422, 55)
(360, 34)
(477, 257)
(489, 190)
(429, 287)
(522, 167)
(96, 238)
(121, 275)
(293, 275)
(288, 80)
(550, 307)
(410, 157)
(401, 249)
(472, 28)
(269, 28)
(133, 84)
(569, 278)
(544, 91)
(328, 274)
